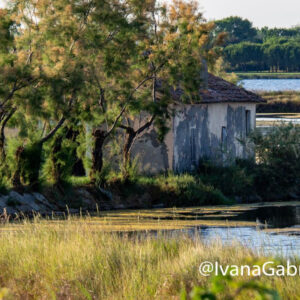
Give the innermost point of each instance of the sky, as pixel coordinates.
(271, 13)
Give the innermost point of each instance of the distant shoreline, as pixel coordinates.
(267, 75)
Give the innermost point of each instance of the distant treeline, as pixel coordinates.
(250, 49)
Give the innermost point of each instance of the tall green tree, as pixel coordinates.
(49, 37)
(177, 42)
(237, 29)
(15, 75)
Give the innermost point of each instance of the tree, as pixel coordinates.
(49, 37)
(15, 75)
(237, 28)
(178, 41)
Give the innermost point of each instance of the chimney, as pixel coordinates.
(204, 74)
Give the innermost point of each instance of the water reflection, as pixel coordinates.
(275, 242)
(257, 240)
(277, 217)
(273, 216)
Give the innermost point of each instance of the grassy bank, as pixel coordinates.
(267, 75)
(280, 102)
(70, 260)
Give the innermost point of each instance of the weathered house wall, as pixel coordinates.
(210, 131)
(153, 156)
(197, 131)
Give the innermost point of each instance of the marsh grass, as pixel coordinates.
(267, 75)
(280, 102)
(71, 260)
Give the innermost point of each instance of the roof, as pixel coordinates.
(221, 91)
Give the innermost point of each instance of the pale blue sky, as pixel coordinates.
(271, 13)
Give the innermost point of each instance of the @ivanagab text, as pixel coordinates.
(269, 268)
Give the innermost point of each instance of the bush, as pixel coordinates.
(225, 287)
(278, 161)
(185, 189)
(61, 157)
(232, 180)
(23, 163)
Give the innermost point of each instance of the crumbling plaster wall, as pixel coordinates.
(198, 133)
(195, 133)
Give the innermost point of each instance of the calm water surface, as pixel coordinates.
(274, 242)
(273, 85)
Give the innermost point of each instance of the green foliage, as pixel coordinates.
(187, 190)
(238, 29)
(251, 49)
(227, 287)
(99, 63)
(29, 164)
(275, 174)
(278, 171)
(61, 157)
(23, 163)
(106, 173)
(232, 180)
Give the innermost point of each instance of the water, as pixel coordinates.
(284, 243)
(278, 120)
(282, 237)
(273, 85)
(259, 241)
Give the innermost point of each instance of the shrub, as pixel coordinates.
(228, 288)
(278, 161)
(186, 189)
(61, 157)
(232, 180)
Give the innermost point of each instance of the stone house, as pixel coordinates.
(211, 129)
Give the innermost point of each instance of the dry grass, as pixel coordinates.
(71, 260)
(280, 102)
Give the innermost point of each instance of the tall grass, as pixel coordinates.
(280, 102)
(70, 260)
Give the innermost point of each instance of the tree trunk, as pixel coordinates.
(78, 167)
(97, 154)
(2, 152)
(56, 166)
(129, 140)
(2, 134)
(16, 178)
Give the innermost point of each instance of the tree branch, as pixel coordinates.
(2, 134)
(126, 104)
(53, 131)
(146, 125)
